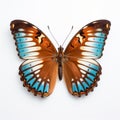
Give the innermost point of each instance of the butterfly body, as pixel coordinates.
(43, 63)
(60, 58)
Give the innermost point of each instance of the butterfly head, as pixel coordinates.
(60, 49)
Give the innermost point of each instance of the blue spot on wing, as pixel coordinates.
(31, 81)
(94, 66)
(46, 88)
(20, 34)
(18, 40)
(25, 44)
(99, 34)
(23, 39)
(85, 85)
(27, 72)
(26, 66)
(80, 88)
(28, 77)
(74, 87)
(91, 77)
(24, 50)
(89, 81)
(35, 86)
(22, 45)
(94, 72)
(41, 87)
(23, 54)
(99, 39)
(97, 45)
(98, 51)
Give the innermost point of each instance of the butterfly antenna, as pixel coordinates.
(53, 36)
(68, 35)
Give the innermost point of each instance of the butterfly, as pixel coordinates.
(43, 63)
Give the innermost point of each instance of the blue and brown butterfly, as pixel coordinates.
(77, 63)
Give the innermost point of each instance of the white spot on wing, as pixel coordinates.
(99, 29)
(34, 49)
(83, 76)
(81, 79)
(25, 22)
(37, 71)
(80, 37)
(34, 27)
(85, 27)
(34, 61)
(40, 37)
(20, 29)
(94, 22)
(39, 79)
(37, 67)
(38, 76)
(82, 71)
(91, 34)
(43, 83)
(72, 79)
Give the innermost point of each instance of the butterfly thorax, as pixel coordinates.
(60, 57)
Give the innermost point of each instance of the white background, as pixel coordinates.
(18, 104)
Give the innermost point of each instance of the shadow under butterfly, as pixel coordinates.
(43, 63)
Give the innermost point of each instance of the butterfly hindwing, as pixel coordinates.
(81, 75)
(37, 50)
(38, 77)
(82, 71)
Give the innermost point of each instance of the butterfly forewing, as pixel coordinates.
(89, 41)
(31, 42)
(39, 53)
(81, 71)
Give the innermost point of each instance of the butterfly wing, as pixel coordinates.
(81, 70)
(89, 41)
(37, 50)
(31, 42)
(81, 75)
(38, 76)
